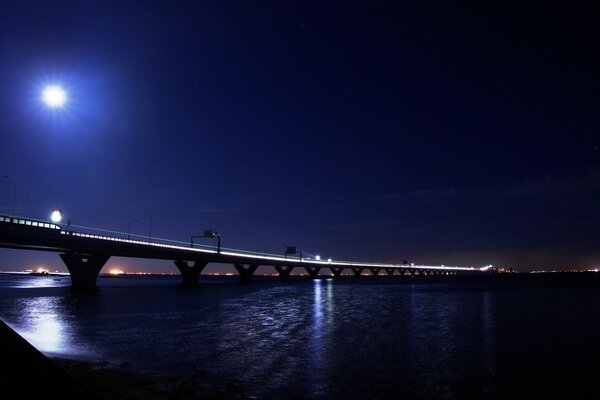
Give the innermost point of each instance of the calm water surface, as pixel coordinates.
(375, 338)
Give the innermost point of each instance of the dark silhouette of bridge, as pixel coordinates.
(84, 255)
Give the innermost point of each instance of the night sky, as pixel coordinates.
(448, 134)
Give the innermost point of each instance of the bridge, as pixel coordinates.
(84, 255)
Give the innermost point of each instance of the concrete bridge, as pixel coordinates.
(84, 255)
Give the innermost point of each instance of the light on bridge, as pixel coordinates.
(56, 215)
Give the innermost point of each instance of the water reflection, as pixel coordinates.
(49, 324)
(488, 325)
(452, 335)
(312, 339)
(42, 325)
(32, 281)
(322, 338)
(316, 337)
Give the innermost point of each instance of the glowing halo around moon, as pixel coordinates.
(54, 96)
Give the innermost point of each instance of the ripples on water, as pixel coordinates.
(373, 338)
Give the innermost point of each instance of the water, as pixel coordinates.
(374, 338)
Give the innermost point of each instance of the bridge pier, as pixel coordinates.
(390, 271)
(357, 271)
(190, 274)
(84, 268)
(283, 271)
(375, 271)
(313, 272)
(246, 271)
(336, 271)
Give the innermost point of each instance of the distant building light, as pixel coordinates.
(318, 258)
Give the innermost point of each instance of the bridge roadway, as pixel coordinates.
(84, 255)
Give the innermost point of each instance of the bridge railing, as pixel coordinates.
(117, 236)
(28, 222)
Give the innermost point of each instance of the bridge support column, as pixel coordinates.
(283, 271)
(357, 271)
(84, 268)
(390, 271)
(313, 272)
(375, 271)
(246, 271)
(336, 271)
(190, 274)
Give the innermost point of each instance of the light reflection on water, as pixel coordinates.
(47, 323)
(45, 327)
(30, 281)
(306, 339)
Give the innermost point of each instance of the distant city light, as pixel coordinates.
(54, 96)
(56, 215)
(318, 258)
(115, 272)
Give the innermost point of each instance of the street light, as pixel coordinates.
(14, 197)
(129, 228)
(256, 244)
(56, 215)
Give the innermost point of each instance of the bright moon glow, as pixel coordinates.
(56, 216)
(54, 96)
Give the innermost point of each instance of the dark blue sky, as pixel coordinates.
(442, 133)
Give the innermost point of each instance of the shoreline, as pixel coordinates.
(107, 381)
(31, 375)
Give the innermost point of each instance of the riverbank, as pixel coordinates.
(29, 374)
(108, 381)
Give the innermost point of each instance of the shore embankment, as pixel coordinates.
(29, 374)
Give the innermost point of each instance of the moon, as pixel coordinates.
(54, 96)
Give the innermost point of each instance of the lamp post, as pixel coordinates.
(255, 238)
(129, 228)
(56, 215)
(14, 196)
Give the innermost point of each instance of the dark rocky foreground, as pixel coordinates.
(29, 374)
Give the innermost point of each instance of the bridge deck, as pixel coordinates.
(30, 234)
